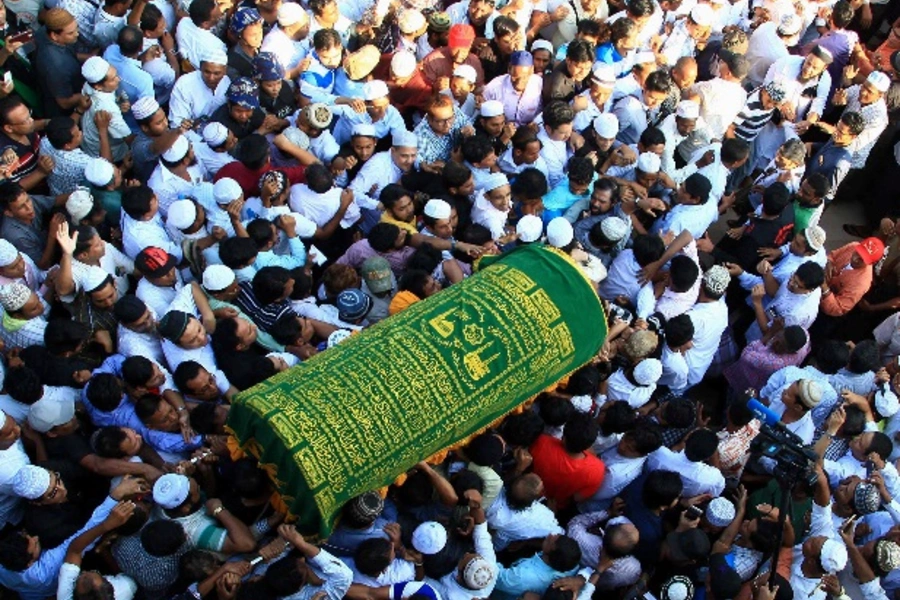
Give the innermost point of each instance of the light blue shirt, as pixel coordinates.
(527, 575)
(389, 124)
(135, 82)
(297, 257)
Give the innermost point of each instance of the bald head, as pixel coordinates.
(620, 539)
(685, 72)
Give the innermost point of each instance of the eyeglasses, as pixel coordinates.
(56, 486)
(449, 120)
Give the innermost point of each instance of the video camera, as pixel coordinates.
(793, 461)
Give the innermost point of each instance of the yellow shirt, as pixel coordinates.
(409, 227)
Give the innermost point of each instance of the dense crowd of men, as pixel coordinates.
(199, 194)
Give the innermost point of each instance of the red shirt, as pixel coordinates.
(565, 477)
(249, 180)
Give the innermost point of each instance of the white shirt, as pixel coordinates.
(159, 299)
(509, 166)
(764, 49)
(675, 369)
(804, 427)
(118, 128)
(169, 186)
(720, 103)
(556, 155)
(536, 521)
(620, 388)
(622, 278)
(132, 343)
(710, 320)
(379, 171)
(787, 70)
(876, 119)
(175, 355)
(192, 99)
(194, 42)
(698, 478)
(620, 471)
(821, 524)
(212, 161)
(11, 460)
(113, 262)
(288, 52)
(485, 213)
(321, 208)
(451, 589)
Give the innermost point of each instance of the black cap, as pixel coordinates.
(129, 309)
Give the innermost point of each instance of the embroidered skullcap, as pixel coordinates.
(290, 13)
(720, 512)
(790, 25)
(297, 137)
(94, 69)
(521, 58)
(614, 228)
(79, 204)
(542, 45)
(866, 498)
(8, 253)
(178, 150)
(173, 324)
(529, 228)
(887, 555)
(337, 336)
(171, 490)
(648, 371)
(266, 67)
(243, 92)
(13, 296)
(99, 171)
(467, 72)
(716, 279)
(776, 90)
(217, 278)
(648, 162)
(31, 482)
(404, 139)
(645, 58)
(702, 15)
(688, 109)
(144, 107)
(494, 181)
(403, 64)
(887, 405)
(429, 538)
(227, 190)
(45, 414)
(603, 74)
(410, 21)
(374, 90)
(214, 56)
(318, 115)
(437, 209)
(363, 130)
(95, 278)
(880, 81)
(182, 214)
(815, 237)
(280, 179)
(461, 36)
(810, 393)
(362, 62)
(559, 232)
(833, 556)
(439, 22)
(640, 344)
(678, 587)
(367, 507)
(477, 573)
(871, 250)
(353, 305)
(606, 125)
(491, 108)
(243, 18)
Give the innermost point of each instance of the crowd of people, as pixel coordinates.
(199, 194)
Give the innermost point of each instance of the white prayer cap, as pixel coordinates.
(404, 139)
(429, 538)
(374, 90)
(171, 490)
(542, 45)
(477, 573)
(491, 108)
(702, 15)
(614, 228)
(338, 336)
(403, 64)
(44, 415)
(182, 214)
(215, 134)
(688, 109)
(467, 72)
(99, 172)
(94, 278)
(493, 181)
(559, 232)
(720, 512)
(790, 25)
(79, 204)
(606, 125)
(13, 296)
(178, 150)
(887, 405)
(603, 74)
(880, 81)
(8, 255)
(410, 21)
(215, 56)
(529, 228)
(648, 162)
(364, 130)
(217, 277)
(815, 237)
(648, 371)
(31, 482)
(227, 190)
(94, 69)
(144, 107)
(290, 13)
(437, 209)
(833, 556)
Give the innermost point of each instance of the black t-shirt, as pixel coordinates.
(559, 85)
(240, 130)
(281, 106)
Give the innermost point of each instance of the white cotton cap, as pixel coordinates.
(182, 214)
(790, 25)
(437, 209)
(410, 21)
(833, 556)
(94, 69)
(542, 45)
(614, 228)
(491, 108)
(178, 150)
(607, 125)
(559, 232)
(720, 512)
(603, 75)
(649, 162)
(403, 64)
(404, 139)
(429, 538)
(99, 172)
(171, 490)
(887, 405)
(8, 255)
(227, 190)
(215, 134)
(144, 107)
(375, 89)
(94, 278)
(215, 56)
(364, 129)
(688, 109)
(467, 72)
(529, 228)
(880, 81)
(79, 204)
(648, 371)
(494, 181)
(217, 277)
(44, 415)
(702, 15)
(290, 13)
(31, 482)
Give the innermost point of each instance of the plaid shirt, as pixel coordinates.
(68, 168)
(433, 147)
(17, 333)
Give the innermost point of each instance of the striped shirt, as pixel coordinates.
(752, 118)
(264, 316)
